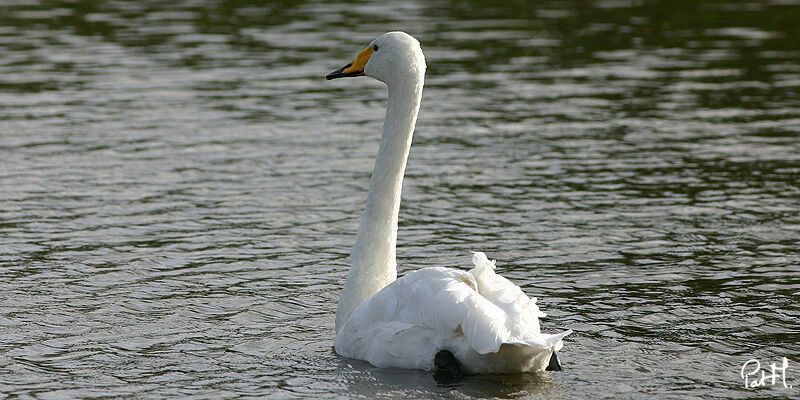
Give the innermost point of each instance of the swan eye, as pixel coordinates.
(375, 47)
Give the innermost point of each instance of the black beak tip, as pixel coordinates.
(334, 74)
(554, 364)
(339, 73)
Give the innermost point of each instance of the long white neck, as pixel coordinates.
(374, 263)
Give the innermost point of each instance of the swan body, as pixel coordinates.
(486, 322)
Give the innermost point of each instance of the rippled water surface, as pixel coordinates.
(180, 189)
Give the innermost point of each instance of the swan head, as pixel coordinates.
(391, 57)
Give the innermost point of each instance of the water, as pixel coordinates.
(180, 189)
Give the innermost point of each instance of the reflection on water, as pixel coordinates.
(180, 189)
(365, 381)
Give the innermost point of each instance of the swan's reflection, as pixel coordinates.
(362, 379)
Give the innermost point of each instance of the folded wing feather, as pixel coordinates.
(435, 308)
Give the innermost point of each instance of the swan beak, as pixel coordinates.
(355, 68)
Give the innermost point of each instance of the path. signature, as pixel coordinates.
(751, 368)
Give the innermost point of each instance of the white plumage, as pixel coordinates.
(483, 319)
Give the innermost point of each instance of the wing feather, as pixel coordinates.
(405, 323)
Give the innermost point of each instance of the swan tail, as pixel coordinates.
(551, 341)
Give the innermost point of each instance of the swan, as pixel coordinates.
(434, 318)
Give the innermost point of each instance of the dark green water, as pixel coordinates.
(180, 189)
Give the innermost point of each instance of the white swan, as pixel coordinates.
(477, 320)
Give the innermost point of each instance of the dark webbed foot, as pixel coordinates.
(554, 364)
(447, 367)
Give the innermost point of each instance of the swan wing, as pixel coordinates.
(431, 309)
(521, 314)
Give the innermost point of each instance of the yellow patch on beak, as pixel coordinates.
(360, 62)
(355, 68)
